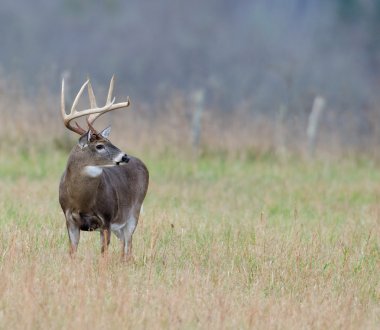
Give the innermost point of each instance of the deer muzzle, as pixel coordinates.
(122, 158)
(125, 159)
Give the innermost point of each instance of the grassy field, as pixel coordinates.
(224, 242)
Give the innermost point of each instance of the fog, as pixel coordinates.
(264, 54)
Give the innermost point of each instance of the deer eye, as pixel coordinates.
(99, 146)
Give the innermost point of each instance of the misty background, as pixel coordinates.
(263, 58)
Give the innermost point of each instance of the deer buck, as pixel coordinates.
(102, 188)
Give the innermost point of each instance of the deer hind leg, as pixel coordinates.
(105, 238)
(74, 235)
(120, 235)
(128, 232)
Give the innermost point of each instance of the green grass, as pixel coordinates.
(224, 242)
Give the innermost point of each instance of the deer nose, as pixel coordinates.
(125, 158)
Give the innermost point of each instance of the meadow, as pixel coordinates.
(226, 241)
(234, 235)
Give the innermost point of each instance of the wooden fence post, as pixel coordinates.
(196, 126)
(313, 124)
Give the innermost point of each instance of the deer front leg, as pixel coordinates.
(74, 235)
(105, 238)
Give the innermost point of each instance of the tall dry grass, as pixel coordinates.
(221, 244)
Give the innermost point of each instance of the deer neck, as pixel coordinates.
(83, 178)
(80, 165)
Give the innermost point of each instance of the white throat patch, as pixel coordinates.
(92, 171)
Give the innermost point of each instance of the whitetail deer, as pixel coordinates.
(102, 188)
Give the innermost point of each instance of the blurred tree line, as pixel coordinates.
(265, 53)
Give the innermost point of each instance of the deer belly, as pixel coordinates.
(89, 222)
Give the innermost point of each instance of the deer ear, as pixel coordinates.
(106, 132)
(84, 139)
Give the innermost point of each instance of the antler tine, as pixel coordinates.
(63, 111)
(91, 96)
(112, 105)
(67, 118)
(76, 100)
(110, 90)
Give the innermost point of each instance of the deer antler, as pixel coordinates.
(94, 112)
